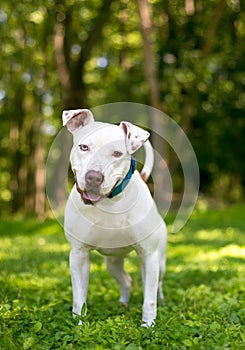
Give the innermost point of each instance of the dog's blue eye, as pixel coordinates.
(83, 148)
(117, 154)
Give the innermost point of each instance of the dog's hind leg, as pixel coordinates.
(162, 261)
(114, 265)
(162, 265)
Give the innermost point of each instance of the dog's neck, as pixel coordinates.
(118, 189)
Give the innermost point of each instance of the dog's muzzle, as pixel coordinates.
(93, 181)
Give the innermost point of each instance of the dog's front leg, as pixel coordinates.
(79, 266)
(150, 276)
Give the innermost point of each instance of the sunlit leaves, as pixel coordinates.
(203, 92)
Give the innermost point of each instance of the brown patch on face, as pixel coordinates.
(134, 147)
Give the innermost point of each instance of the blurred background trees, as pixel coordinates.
(58, 54)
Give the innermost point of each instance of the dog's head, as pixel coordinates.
(101, 153)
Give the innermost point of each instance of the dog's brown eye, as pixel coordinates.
(117, 154)
(83, 148)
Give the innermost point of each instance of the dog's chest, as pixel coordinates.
(109, 214)
(112, 223)
(104, 226)
(110, 230)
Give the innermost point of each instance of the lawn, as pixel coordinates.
(204, 290)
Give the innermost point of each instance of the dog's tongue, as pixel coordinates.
(91, 196)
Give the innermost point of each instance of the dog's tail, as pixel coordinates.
(149, 161)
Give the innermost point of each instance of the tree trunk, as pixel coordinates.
(71, 72)
(150, 71)
(18, 173)
(212, 27)
(71, 79)
(39, 159)
(15, 157)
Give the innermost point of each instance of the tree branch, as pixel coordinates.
(96, 33)
(212, 27)
(149, 56)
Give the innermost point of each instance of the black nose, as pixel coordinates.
(94, 178)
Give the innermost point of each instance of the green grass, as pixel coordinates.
(204, 290)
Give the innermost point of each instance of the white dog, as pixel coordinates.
(110, 209)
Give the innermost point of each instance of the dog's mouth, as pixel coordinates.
(90, 197)
(93, 195)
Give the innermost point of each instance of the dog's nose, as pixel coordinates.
(94, 178)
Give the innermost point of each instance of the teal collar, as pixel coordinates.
(118, 189)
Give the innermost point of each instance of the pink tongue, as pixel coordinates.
(93, 197)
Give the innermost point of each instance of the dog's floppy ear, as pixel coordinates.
(74, 118)
(135, 136)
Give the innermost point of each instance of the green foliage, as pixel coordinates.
(204, 290)
(200, 68)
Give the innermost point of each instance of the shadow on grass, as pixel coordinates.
(24, 227)
(203, 289)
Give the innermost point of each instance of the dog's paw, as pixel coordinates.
(148, 324)
(123, 303)
(82, 323)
